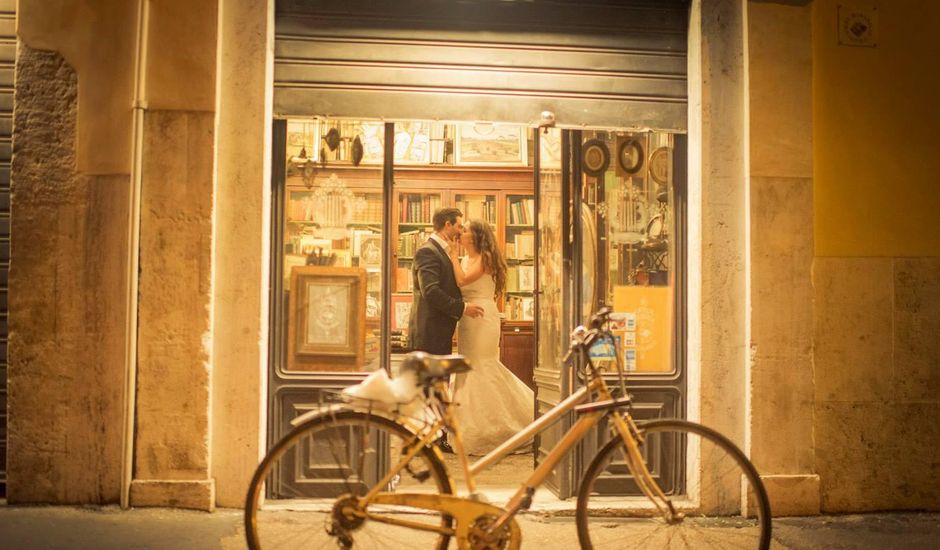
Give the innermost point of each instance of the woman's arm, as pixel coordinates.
(474, 269)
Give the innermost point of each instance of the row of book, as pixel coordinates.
(399, 341)
(521, 211)
(369, 212)
(478, 207)
(417, 207)
(409, 241)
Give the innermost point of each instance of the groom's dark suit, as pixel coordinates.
(438, 304)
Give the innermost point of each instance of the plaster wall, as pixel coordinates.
(780, 188)
(877, 268)
(67, 291)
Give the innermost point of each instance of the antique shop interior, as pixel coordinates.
(564, 129)
(350, 217)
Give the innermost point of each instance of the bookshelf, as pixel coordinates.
(519, 248)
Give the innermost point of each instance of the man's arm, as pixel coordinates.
(428, 269)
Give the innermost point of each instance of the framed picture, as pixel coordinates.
(303, 140)
(550, 149)
(401, 311)
(488, 144)
(327, 312)
(412, 142)
(370, 251)
(526, 278)
(528, 308)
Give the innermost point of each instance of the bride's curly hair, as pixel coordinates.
(493, 262)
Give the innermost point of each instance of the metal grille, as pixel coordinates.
(593, 62)
(7, 65)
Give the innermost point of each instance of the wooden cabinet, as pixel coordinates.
(517, 349)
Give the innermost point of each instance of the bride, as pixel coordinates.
(492, 404)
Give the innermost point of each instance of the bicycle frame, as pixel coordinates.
(523, 497)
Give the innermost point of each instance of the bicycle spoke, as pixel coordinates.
(320, 464)
(710, 500)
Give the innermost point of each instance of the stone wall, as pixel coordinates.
(171, 462)
(876, 274)
(67, 291)
(780, 142)
(877, 382)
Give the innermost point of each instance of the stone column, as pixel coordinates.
(723, 224)
(172, 458)
(780, 66)
(246, 44)
(67, 293)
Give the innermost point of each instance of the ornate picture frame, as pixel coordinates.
(327, 314)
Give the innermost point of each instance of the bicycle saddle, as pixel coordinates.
(429, 367)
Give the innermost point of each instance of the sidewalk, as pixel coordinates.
(71, 528)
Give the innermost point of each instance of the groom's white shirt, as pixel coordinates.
(441, 241)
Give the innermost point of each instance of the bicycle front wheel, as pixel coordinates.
(304, 493)
(718, 497)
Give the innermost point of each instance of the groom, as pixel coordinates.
(438, 304)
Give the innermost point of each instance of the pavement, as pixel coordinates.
(108, 527)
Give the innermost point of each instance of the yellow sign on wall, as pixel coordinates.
(651, 307)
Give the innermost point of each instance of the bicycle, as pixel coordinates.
(388, 486)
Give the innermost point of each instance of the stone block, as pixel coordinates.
(792, 495)
(781, 266)
(916, 326)
(853, 327)
(781, 417)
(174, 349)
(67, 301)
(194, 495)
(914, 462)
(854, 457)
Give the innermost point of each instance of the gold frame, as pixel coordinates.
(506, 136)
(341, 332)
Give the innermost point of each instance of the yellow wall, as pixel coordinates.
(877, 133)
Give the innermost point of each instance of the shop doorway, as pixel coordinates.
(349, 213)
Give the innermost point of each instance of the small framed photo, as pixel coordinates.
(401, 311)
(327, 311)
(489, 144)
(528, 308)
(526, 278)
(370, 251)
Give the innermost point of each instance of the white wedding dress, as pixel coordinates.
(492, 404)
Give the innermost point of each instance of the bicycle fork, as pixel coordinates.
(626, 427)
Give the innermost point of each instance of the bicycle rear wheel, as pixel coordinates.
(303, 490)
(720, 497)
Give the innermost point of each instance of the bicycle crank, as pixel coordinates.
(472, 519)
(483, 537)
